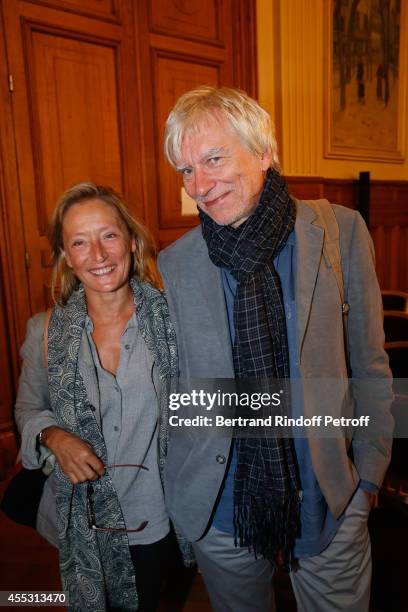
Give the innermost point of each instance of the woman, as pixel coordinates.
(97, 409)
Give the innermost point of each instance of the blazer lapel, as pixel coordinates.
(309, 247)
(209, 277)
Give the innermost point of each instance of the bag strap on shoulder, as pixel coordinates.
(332, 254)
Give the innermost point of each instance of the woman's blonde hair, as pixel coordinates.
(143, 264)
(250, 121)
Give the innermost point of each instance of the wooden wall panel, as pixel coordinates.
(73, 105)
(101, 9)
(191, 19)
(388, 220)
(71, 79)
(184, 45)
(74, 127)
(391, 249)
(176, 76)
(308, 188)
(389, 227)
(245, 46)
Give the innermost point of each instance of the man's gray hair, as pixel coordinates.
(250, 121)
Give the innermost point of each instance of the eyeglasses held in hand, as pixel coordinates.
(91, 507)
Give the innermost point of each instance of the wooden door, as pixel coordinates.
(85, 87)
(184, 44)
(74, 86)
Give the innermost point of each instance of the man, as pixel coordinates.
(254, 294)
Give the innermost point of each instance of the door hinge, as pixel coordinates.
(11, 82)
(27, 259)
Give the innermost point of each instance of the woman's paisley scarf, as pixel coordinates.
(96, 568)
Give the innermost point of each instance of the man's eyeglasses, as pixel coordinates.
(91, 505)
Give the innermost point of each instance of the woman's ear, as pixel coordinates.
(133, 245)
(65, 256)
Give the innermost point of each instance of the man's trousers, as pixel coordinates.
(336, 580)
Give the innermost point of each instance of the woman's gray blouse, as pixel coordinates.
(126, 407)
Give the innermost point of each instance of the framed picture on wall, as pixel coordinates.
(366, 79)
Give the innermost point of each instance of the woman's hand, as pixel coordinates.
(75, 456)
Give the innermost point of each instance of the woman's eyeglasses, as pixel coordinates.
(91, 504)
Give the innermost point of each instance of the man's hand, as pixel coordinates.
(75, 457)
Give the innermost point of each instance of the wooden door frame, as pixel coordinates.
(12, 253)
(11, 223)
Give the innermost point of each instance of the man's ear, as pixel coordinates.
(266, 159)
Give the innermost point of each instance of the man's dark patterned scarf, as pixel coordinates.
(266, 498)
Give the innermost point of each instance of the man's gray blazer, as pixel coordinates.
(195, 467)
